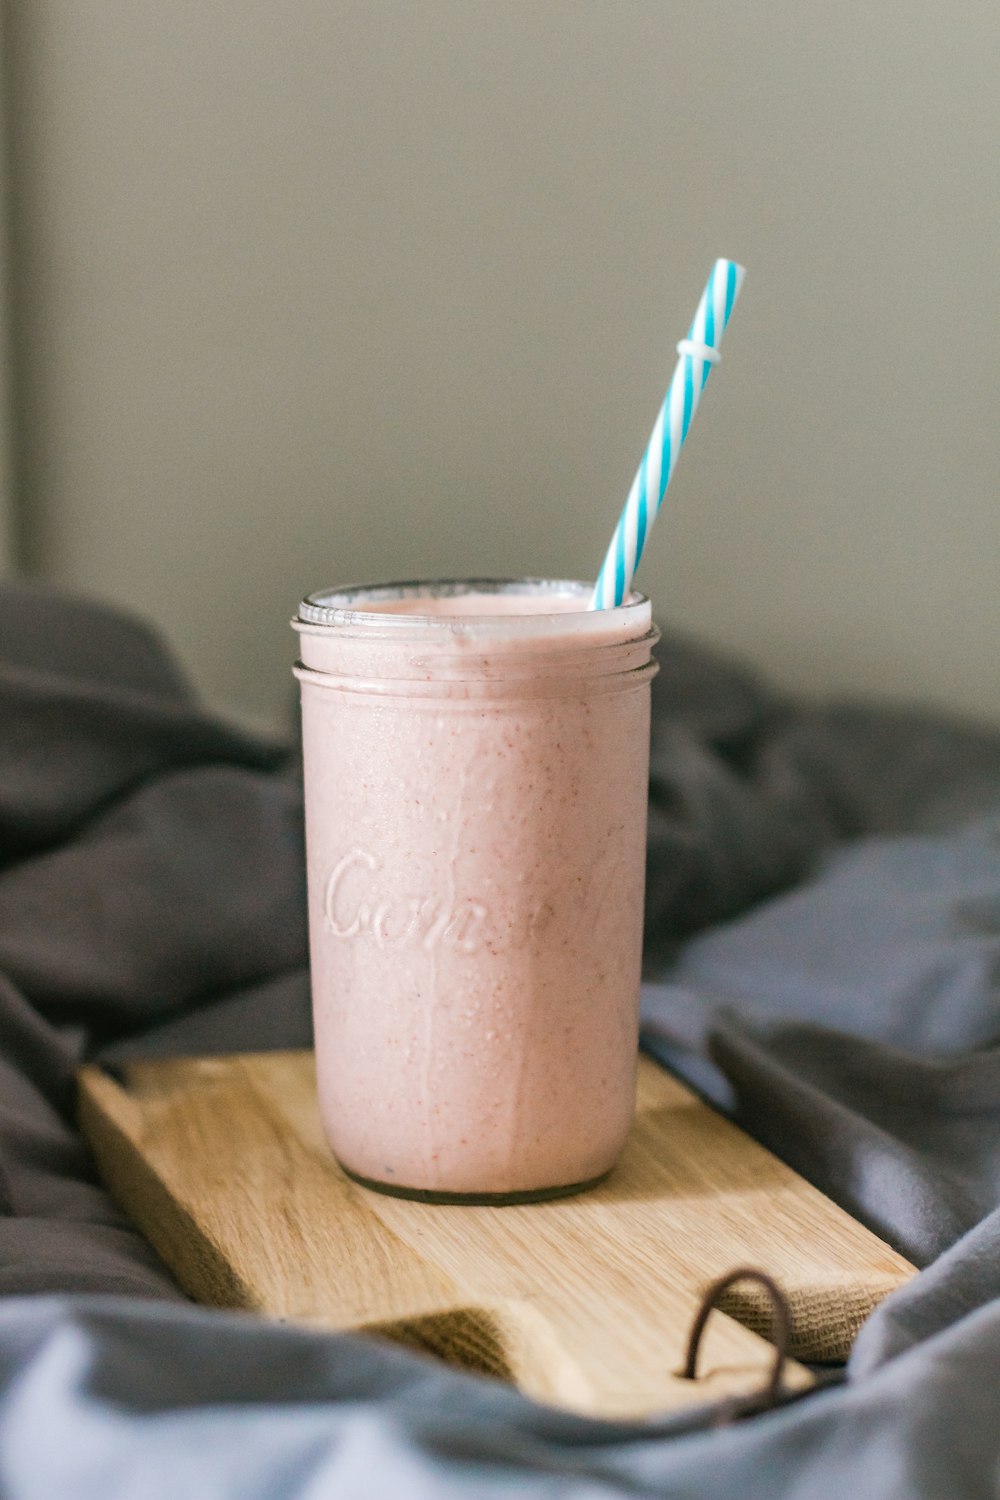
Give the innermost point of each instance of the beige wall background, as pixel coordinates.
(322, 291)
(6, 394)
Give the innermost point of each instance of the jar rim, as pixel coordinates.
(337, 609)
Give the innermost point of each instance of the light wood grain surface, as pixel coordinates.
(584, 1302)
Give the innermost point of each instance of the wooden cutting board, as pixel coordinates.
(583, 1302)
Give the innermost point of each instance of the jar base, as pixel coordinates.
(472, 1200)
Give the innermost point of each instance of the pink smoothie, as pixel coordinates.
(476, 769)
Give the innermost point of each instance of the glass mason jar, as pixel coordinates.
(476, 767)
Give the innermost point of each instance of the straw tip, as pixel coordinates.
(729, 273)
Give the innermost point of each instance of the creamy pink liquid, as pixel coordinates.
(476, 831)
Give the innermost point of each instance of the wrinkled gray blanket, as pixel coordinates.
(823, 939)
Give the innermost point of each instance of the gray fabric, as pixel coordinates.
(898, 942)
(103, 1400)
(748, 790)
(823, 930)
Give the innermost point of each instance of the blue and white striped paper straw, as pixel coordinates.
(698, 353)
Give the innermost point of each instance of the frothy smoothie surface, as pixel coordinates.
(476, 604)
(346, 628)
